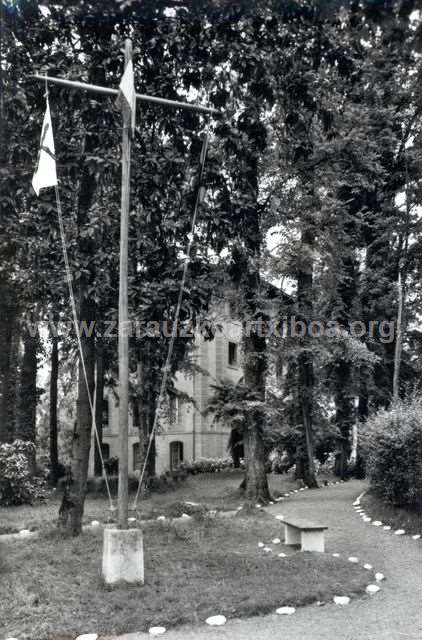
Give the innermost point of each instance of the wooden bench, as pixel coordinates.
(307, 534)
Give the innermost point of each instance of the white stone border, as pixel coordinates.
(377, 523)
(371, 588)
(218, 620)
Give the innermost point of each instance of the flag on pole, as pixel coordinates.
(127, 94)
(45, 174)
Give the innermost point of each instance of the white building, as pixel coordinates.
(188, 434)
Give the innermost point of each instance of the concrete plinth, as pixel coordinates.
(123, 556)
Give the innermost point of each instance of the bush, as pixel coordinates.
(207, 465)
(16, 484)
(392, 449)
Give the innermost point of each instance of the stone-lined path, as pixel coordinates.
(394, 613)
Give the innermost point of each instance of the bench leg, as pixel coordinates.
(312, 541)
(291, 535)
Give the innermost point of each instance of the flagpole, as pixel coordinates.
(123, 340)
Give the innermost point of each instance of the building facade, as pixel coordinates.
(188, 433)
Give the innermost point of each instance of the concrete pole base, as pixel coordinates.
(123, 556)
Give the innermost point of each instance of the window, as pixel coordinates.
(233, 353)
(105, 416)
(136, 456)
(176, 454)
(105, 450)
(173, 409)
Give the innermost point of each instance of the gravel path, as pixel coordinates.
(394, 613)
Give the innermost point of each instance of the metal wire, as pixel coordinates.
(166, 369)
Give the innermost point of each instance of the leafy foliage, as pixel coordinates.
(393, 452)
(17, 485)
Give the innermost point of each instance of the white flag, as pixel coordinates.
(45, 174)
(127, 93)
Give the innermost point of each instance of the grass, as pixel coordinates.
(216, 491)
(51, 587)
(396, 517)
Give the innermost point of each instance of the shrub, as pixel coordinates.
(207, 465)
(16, 484)
(392, 449)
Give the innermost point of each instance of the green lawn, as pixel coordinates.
(51, 588)
(216, 490)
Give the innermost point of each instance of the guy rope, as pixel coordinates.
(45, 176)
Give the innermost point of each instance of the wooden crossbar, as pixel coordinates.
(114, 92)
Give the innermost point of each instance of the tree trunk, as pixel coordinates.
(399, 338)
(344, 415)
(305, 360)
(27, 400)
(151, 409)
(99, 405)
(8, 361)
(256, 484)
(72, 507)
(255, 367)
(54, 375)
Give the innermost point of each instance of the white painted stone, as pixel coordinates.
(399, 532)
(379, 576)
(261, 545)
(387, 527)
(192, 504)
(25, 533)
(295, 491)
(353, 559)
(276, 540)
(132, 519)
(336, 555)
(88, 636)
(367, 519)
(302, 489)
(306, 486)
(267, 549)
(416, 536)
(356, 503)
(216, 621)
(282, 555)
(161, 517)
(285, 611)
(372, 588)
(258, 506)
(342, 600)
(186, 516)
(123, 556)
(271, 502)
(156, 631)
(367, 566)
(280, 517)
(377, 523)
(95, 523)
(287, 495)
